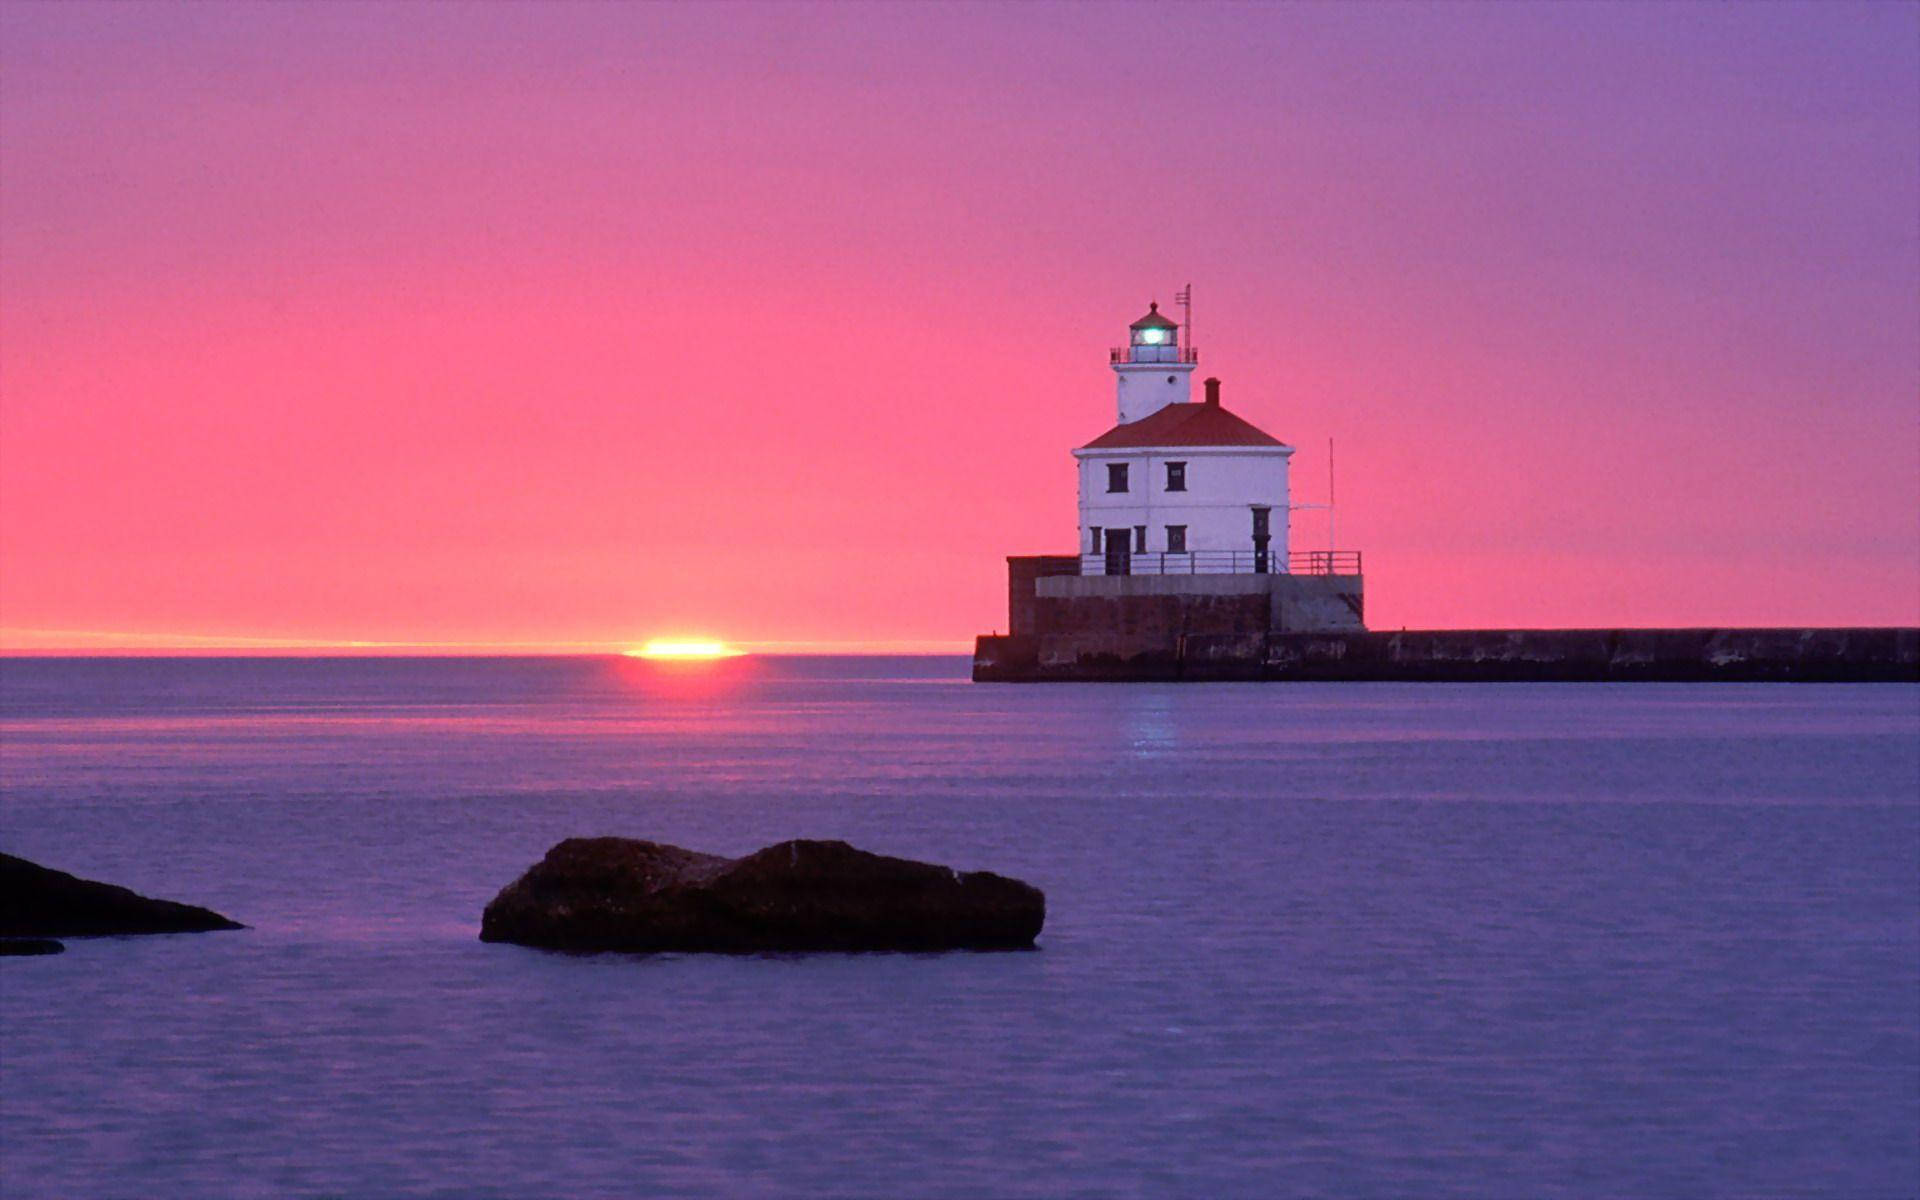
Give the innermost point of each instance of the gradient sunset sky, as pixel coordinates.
(549, 325)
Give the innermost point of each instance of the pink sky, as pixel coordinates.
(551, 325)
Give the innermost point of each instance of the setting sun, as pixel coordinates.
(685, 648)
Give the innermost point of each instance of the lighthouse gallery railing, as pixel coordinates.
(1222, 562)
(1153, 354)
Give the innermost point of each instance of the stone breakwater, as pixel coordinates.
(1801, 655)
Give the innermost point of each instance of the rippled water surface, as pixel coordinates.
(1352, 940)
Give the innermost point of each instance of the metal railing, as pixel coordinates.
(1223, 562)
(1323, 562)
(1154, 354)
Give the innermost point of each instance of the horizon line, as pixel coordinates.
(78, 643)
(848, 650)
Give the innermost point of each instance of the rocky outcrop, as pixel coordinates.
(24, 947)
(37, 901)
(639, 896)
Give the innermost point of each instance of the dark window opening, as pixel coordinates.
(1116, 477)
(1177, 477)
(1176, 539)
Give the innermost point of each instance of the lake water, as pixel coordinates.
(1302, 940)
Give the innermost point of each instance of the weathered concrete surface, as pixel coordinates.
(1060, 622)
(1065, 603)
(37, 901)
(1081, 628)
(1312, 603)
(1485, 655)
(1023, 571)
(623, 894)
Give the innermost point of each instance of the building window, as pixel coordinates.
(1116, 477)
(1176, 539)
(1139, 539)
(1177, 477)
(1095, 531)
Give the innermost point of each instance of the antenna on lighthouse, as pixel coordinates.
(1329, 499)
(1184, 298)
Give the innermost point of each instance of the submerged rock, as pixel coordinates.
(21, 947)
(37, 901)
(625, 894)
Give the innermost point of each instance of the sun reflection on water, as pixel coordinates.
(685, 669)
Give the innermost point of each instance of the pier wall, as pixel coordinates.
(1467, 655)
(1125, 610)
(1023, 572)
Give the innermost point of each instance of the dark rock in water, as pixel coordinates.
(624, 894)
(21, 947)
(37, 901)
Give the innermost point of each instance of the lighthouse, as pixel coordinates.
(1183, 557)
(1178, 487)
(1184, 572)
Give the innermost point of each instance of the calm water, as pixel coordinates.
(1347, 940)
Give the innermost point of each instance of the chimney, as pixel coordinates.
(1213, 392)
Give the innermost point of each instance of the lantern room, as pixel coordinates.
(1153, 338)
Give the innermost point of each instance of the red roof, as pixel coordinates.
(1153, 320)
(1183, 425)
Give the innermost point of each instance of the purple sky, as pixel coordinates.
(539, 324)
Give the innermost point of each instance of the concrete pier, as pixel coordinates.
(1464, 655)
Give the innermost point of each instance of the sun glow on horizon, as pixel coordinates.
(685, 648)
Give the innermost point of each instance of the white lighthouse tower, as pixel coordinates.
(1154, 369)
(1177, 487)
